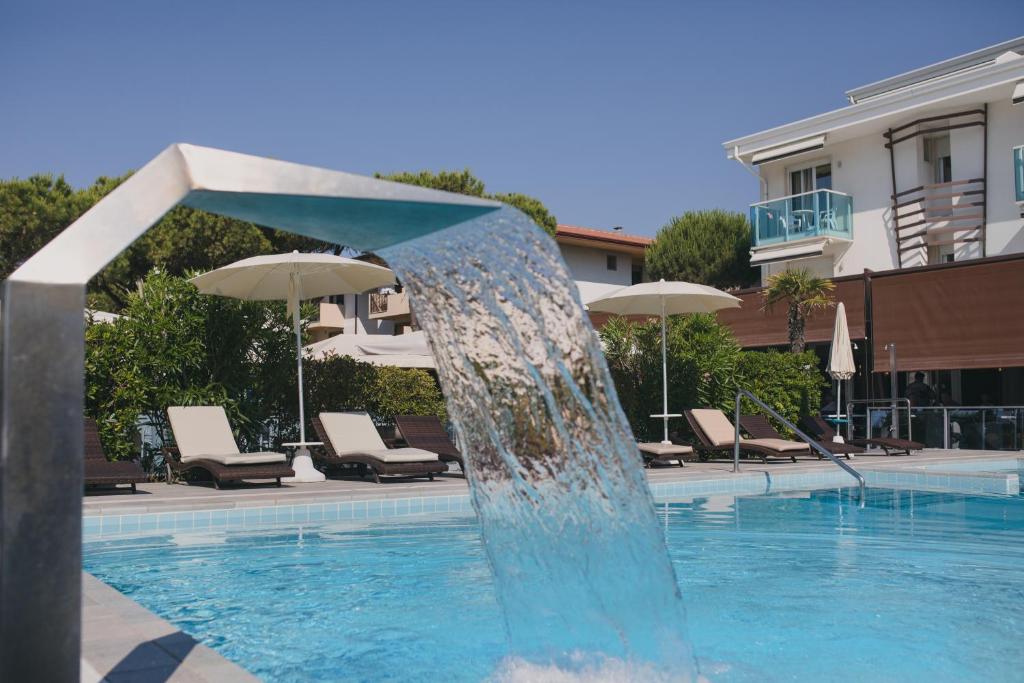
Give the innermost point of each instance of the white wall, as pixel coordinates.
(589, 267)
(861, 168)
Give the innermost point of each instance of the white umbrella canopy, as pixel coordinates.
(664, 298)
(840, 358)
(294, 277)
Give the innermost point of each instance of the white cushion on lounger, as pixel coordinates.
(203, 433)
(715, 425)
(664, 448)
(780, 445)
(354, 433)
(401, 455)
(240, 458)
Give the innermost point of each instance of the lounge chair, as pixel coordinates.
(759, 427)
(351, 440)
(664, 453)
(427, 432)
(817, 427)
(716, 433)
(102, 472)
(205, 444)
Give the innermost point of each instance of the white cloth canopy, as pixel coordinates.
(664, 298)
(293, 277)
(402, 351)
(840, 358)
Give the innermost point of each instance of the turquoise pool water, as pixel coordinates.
(792, 587)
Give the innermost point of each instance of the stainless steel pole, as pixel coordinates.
(894, 390)
(664, 375)
(736, 444)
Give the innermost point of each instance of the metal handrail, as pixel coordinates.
(741, 392)
(766, 202)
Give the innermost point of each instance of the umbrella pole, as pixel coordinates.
(664, 375)
(298, 356)
(302, 463)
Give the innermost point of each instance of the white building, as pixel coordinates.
(599, 261)
(921, 168)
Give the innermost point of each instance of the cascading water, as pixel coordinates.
(581, 567)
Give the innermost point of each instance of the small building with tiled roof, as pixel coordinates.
(601, 260)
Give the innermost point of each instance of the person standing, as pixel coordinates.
(919, 393)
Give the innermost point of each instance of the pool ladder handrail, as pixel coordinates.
(741, 393)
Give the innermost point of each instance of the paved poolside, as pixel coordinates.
(160, 497)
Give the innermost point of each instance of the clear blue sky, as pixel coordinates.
(611, 113)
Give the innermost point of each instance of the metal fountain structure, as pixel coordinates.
(43, 350)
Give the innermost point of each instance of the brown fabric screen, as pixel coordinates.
(754, 327)
(969, 316)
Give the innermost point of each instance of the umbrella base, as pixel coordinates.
(305, 473)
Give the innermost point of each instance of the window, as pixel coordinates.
(613, 262)
(638, 273)
(941, 253)
(939, 159)
(804, 180)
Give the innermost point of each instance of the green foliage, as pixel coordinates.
(34, 210)
(174, 346)
(705, 365)
(707, 247)
(340, 383)
(804, 294)
(464, 182)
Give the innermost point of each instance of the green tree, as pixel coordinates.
(34, 210)
(464, 182)
(175, 346)
(705, 365)
(706, 247)
(803, 294)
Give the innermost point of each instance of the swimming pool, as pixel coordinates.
(796, 586)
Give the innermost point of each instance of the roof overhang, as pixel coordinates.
(991, 82)
(783, 151)
(604, 245)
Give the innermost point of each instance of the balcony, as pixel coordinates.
(1018, 172)
(822, 213)
(388, 306)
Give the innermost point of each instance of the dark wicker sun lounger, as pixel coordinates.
(102, 472)
(329, 460)
(759, 427)
(207, 448)
(427, 432)
(717, 434)
(817, 427)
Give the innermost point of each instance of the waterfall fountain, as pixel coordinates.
(580, 563)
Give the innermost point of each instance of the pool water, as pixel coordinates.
(791, 587)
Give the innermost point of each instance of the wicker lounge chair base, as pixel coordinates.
(102, 472)
(427, 432)
(759, 427)
(663, 453)
(220, 473)
(330, 461)
(704, 421)
(817, 426)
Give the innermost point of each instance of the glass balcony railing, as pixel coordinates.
(822, 213)
(1018, 172)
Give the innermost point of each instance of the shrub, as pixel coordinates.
(705, 364)
(341, 383)
(175, 346)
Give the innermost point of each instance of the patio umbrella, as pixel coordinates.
(664, 298)
(294, 277)
(840, 356)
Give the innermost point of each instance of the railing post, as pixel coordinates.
(736, 441)
(945, 428)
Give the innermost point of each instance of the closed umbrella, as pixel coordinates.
(840, 357)
(294, 277)
(664, 298)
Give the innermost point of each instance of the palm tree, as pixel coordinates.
(804, 293)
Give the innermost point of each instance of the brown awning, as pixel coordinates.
(970, 315)
(754, 327)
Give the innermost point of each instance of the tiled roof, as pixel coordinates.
(606, 236)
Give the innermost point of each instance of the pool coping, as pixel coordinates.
(123, 641)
